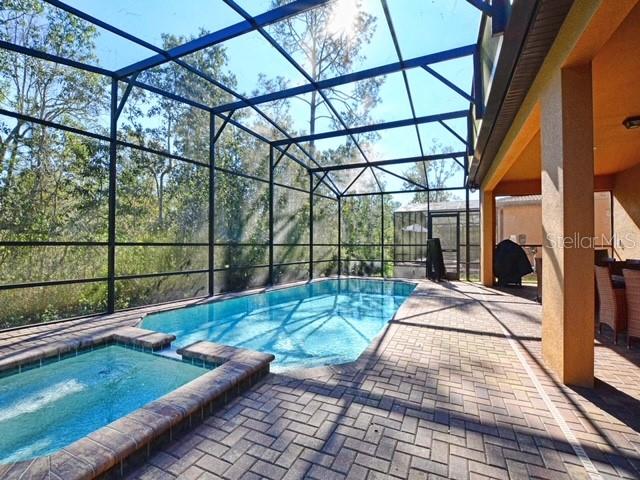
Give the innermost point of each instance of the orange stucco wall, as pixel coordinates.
(515, 220)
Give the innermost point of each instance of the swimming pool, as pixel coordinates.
(47, 408)
(320, 323)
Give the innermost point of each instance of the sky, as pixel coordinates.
(422, 27)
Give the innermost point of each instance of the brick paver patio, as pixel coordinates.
(453, 388)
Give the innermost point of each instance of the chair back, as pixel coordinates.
(603, 281)
(607, 306)
(632, 291)
(632, 263)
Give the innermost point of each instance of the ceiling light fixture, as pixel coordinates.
(631, 122)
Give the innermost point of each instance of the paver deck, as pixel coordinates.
(454, 387)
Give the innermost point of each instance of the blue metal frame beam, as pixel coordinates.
(415, 190)
(455, 159)
(400, 177)
(453, 132)
(355, 179)
(54, 58)
(449, 84)
(478, 84)
(220, 36)
(125, 96)
(373, 128)
(315, 187)
(281, 155)
(395, 161)
(484, 7)
(105, 25)
(164, 93)
(443, 56)
(225, 122)
(500, 17)
(498, 10)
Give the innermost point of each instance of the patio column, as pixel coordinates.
(567, 222)
(487, 235)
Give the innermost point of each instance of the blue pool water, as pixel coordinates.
(321, 323)
(47, 408)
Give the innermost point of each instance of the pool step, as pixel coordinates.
(169, 352)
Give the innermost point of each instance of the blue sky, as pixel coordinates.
(422, 26)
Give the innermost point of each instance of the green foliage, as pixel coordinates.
(362, 232)
(438, 173)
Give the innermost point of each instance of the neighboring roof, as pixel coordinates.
(530, 33)
(459, 205)
(523, 200)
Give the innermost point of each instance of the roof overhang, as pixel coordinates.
(530, 33)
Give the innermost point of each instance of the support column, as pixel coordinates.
(382, 233)
(467, 241)
(487, 235)
(310, 225)
(339, 236)
(113, 175)
(271, 215)
(212, 201)
(567, 222)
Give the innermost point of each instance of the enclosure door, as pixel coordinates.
(446, 227)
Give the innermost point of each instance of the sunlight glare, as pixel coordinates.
(343, 17)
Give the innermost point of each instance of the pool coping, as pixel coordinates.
(134, 435)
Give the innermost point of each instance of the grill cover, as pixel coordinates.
(435, 261)
(510, 263)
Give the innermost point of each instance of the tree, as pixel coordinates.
(170, 126)
(29, 87)
(328, 41)
(438, 173)
(36, 162)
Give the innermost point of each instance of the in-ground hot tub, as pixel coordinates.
(44, 409)
(84, 407)
(326, 322)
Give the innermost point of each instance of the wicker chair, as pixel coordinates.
(612, 308)
(632, 282)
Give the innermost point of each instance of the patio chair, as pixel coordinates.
(611, 305)
(632, 282)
